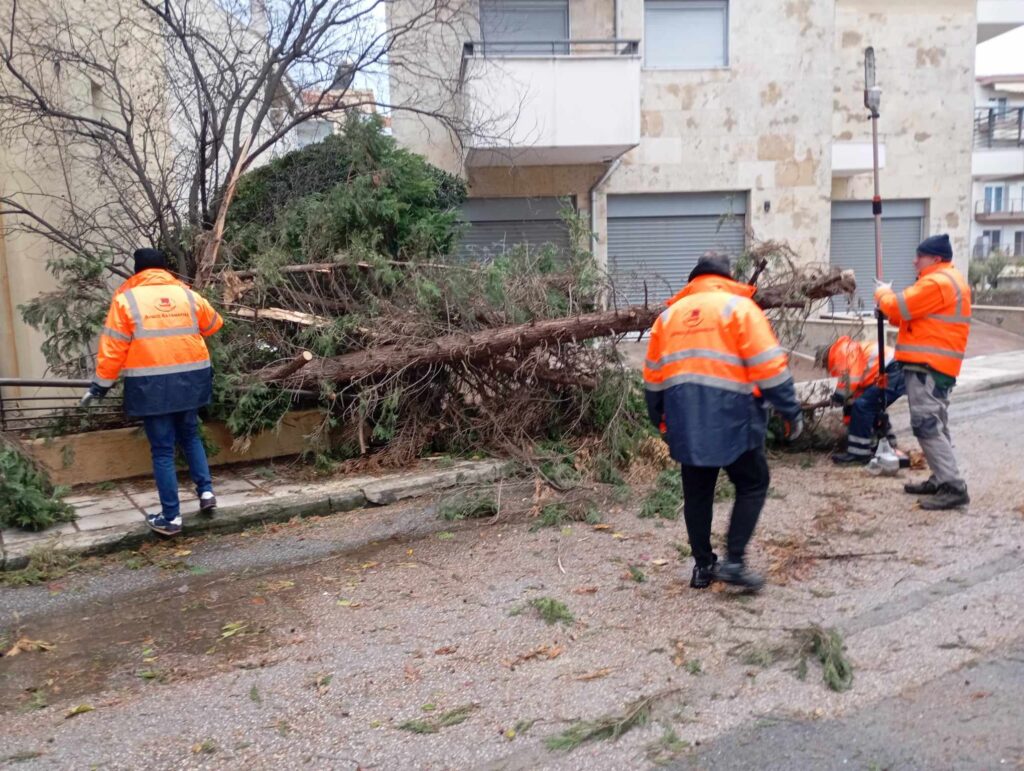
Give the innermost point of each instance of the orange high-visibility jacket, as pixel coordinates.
(712, 356)
(934, 317)
(855, 365)
(153, 336)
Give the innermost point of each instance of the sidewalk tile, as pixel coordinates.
(114, 519)
(14, 536)
(114, 502)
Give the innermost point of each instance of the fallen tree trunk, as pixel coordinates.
(491, 343)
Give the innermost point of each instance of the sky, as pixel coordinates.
(1003, 55)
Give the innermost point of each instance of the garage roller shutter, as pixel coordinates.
(853, 246)
(657, 239)
(495, 225)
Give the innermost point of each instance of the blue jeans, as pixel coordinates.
(866, 408)
(164, 432)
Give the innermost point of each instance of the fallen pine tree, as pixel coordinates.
(341, 286)
(493, 344)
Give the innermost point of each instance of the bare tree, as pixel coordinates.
(141, 112)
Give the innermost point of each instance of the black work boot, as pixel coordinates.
(948, 496)
(930, 486)
(703, 575)
(849, 459)
(738, 574)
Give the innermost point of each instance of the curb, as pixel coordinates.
(329, 498)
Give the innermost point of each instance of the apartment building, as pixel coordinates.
(683, 126)
(997, 225)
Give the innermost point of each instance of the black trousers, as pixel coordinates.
(749, 473)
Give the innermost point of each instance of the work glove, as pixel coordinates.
(838, 399)
(882, 286)
(95, 392)
(793, 428)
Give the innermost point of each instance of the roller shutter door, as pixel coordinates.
(494, 225)
(657, 238)
(853, 246)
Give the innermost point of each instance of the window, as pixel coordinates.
(993, 198)
(525, 26)
(686, 34)
(1018, 244)
(991, 240)
(999, 105)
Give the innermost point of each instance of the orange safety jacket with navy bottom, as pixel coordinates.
(712, 361)
(934, 317)
(153, 336)
(855, 366)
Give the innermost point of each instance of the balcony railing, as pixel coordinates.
(1011, 210)
(506, 48)
(997, 127)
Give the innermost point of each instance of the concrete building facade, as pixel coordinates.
(682, 126)
(997, 222)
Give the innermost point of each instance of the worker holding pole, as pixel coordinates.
(933, 317)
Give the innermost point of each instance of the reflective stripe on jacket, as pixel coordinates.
(855, 365)
(712, 356)
(934, 317)
(153, 336)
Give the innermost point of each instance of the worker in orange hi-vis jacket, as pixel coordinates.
(858, 392)
(154, 338)
(712, 362)
(934, 317)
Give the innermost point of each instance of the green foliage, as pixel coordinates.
(27, 498)
(356, 189)
(552, 611)
(72, 315)
(471, 505)
(608, 727)
(828, 646)
(665, 499)
(435, 723)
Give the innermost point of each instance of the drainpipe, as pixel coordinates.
(615, 19)
(593, 204)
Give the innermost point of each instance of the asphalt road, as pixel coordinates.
(341, 642)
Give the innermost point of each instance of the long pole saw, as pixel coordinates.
(872, 101)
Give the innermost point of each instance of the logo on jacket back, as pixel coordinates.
(693, 319)
(165, 304)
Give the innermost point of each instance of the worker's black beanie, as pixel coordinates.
(149, 258)
(937, 246)
(712, 265)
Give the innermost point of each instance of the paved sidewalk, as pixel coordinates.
(116, 518)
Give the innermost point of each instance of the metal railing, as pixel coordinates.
(510, 48)
(999, 127)
(983, 249)
(50, 406)
(1010, 208)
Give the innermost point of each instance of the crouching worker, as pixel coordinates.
(153, 336)
(855, 365)
(712, 361)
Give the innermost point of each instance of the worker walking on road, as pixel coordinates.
(855, 366)
(153, 336)
(934, 318)
(711, 362)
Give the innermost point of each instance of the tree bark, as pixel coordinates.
(513, 340)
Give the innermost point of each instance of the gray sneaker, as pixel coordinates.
(738, 574)
(207, 503)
